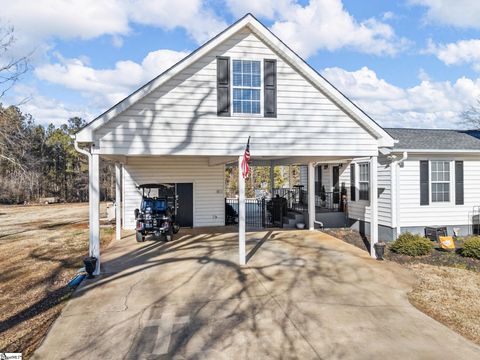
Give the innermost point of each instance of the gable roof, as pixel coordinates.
(384, 139)
(435, 139)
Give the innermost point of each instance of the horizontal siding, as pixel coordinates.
(359, 209)
(208, 185)
(410, 211)
(179, 118)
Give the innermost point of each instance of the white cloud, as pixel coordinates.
(38, 22)
(45, 110)
(460, 52)
(325, 24)
(459, 13)
(107, 86)
(429, 104)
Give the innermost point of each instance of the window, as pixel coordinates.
(363, 181)
(440, 175)
(247, 86)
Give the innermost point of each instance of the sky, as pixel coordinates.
(407, 63)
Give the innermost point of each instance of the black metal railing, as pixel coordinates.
(330, 201)
(296, 198)
(259, 213)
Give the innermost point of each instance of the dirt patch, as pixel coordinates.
(38, 259)
(450, 296)
(350, 236)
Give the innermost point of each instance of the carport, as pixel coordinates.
(185, 125)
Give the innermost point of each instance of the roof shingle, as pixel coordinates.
(435, 139)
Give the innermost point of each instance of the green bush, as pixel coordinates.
(471, 247)
(412, 245)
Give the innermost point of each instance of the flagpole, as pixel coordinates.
(241, 213)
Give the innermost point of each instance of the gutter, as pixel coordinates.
(396, 216)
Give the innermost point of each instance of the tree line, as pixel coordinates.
(38, 161)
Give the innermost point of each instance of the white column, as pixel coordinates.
(94, 208)
(311, 196)
(272, 178)
(290, 185)
(241, 214)
(118, 201)
(373, 205)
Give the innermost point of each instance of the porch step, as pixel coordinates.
(292, 219)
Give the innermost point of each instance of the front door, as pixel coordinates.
(335, 184)
(184, 216)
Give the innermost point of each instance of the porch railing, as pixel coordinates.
(297, 199)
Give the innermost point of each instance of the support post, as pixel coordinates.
(290, 186)
(272, 178)
(241, 214)
(373, 205)
(311, 196)
(118, 201)
(94, 208)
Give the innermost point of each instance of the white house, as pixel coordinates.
(429, 178)
(187, 124)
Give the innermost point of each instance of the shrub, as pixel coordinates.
(471, 247)
(412, 245)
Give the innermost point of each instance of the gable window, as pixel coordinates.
(247, 86)
(440, 181)
(363, 181)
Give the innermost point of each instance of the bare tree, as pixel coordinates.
(11, 68)
(471, 117)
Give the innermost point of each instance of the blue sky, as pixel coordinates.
(411, 63)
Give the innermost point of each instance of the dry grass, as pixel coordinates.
(450, 296)
(41, 249)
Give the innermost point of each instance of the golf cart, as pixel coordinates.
(157, 212)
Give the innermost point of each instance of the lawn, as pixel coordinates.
(447, 285)
(41, 249)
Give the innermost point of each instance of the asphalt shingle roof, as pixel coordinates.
(433, 139)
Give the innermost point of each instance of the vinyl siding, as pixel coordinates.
(410, 211)
(180, 117)
(208, 185)
(360, 209)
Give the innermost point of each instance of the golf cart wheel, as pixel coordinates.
(139, 236)
(169, 235)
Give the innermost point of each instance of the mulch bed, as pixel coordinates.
(437, 257)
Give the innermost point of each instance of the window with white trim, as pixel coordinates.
(363, 181)
(247, 86)
(440, 180)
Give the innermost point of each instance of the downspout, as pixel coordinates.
(397, 190)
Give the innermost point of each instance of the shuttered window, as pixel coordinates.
(223, 86)
(424, 183)
(247, 86)
(364, 181)
(440, 180)
(270, 88)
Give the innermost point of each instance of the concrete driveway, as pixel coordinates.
(303, 295)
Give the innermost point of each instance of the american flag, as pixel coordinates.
(246, 159)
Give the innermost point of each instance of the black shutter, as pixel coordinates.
(352, 182)
(424, 186)
(458, 182)
(270, 88)
(223, 86)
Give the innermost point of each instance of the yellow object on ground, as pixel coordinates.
(446, 242)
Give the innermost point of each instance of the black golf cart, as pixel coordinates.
(157, 212)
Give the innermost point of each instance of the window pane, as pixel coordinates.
(256, 82)
(246, 94)
(237, 66)
(256, 107)
(237, 106)
(237, 79)
(247, 107)
(255, 94)
(247, 67)
(256, 67)
(237, 93)
(247, 80)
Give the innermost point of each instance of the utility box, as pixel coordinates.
(433, 232)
